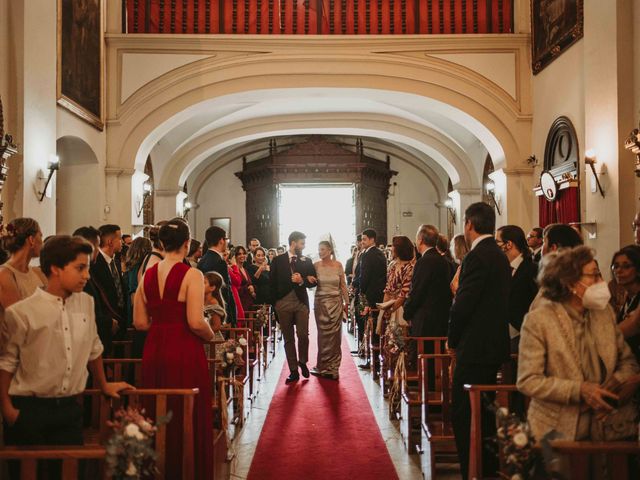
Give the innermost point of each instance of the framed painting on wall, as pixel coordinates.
(222, 222)
(80, 59)
(555, 26)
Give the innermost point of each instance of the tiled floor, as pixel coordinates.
(407, 466)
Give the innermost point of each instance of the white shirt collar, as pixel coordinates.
(535, 252)
(219, 253)
(479, 239)
(516, 262)
(106, 257)
(291, 255)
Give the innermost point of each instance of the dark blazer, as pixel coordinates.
(212, 262)
(262, 285)
(537, 257)
(348, 270)
(101, 274)
(429, 301)
(522, 292)
(281, 283)
(478, 322)
(103, 315)
(373, 275)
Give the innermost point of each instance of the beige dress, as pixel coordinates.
(331, 295)
(27, 283)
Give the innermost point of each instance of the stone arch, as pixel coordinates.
(77, 180)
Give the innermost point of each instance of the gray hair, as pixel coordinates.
(429, 235)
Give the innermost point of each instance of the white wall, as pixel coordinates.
(221, 196)
(413, 193)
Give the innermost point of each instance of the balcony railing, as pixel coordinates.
(312, 17)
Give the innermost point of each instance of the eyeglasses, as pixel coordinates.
(529, 237)
(594, 275)
(621, 266)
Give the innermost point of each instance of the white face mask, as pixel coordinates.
(596, 296)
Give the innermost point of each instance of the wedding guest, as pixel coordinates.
(280, 250)
(372, 278)
(348, 266)
(443, 249)
(625, 267)
(195, 253)
(214, 260)
(106, 322)
(23, 242)
(535, 241)
(573, 359)
(478, 326)
(49, 341)
(523, 288)
(174, 355)
(139, 249)
(254, 243)
(106, 271)
(260, 272)
(559, 235)
(460, 250)
(427, 308)
(243, 290)
(214, 310)
(399, 275)
(272, 253)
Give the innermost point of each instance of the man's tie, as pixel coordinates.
(293, 264)
(117, 281)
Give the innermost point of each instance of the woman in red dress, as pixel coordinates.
(169, 304)
(241, 286)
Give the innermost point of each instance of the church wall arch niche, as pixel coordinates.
(561, 202)
(314, 161)
(77, 185)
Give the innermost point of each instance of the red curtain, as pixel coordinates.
(565, 209)
(338, 16)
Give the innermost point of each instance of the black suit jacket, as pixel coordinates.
(478, 322)
(103, 315)
(373, 275)
(281, 272)
(212, 262)
(429, 301)
(101, 274)
(537, 257)
(522, 292)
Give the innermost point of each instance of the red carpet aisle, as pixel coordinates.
(321, 429)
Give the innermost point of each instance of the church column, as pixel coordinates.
(119, 207)
(114, 15)
(166, 204)
(516, 206)
(462, 198)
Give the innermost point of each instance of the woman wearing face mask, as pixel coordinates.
(625, 267)
(574, 362)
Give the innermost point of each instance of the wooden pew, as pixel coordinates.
(255, 346)
(160, 397)
(373, 343)
(437, 442)
(411, 394)
(615, 455)
(70, 457)
(241, 374)
(504, 398)
(122, 348)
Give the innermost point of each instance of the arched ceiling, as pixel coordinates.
(447, 141)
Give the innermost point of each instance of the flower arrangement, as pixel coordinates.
(516, 443)
(130, 452)
(395, 341)
(362, 303)
(232, 352)
(262, 318)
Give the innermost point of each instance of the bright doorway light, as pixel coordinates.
(318, 211)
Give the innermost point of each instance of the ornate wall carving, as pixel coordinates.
(314, 161)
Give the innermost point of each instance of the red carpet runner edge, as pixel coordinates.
(321, 429)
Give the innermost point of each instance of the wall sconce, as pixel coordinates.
(532, 161)
(449, 204)
(590, 159)
(632, 143)
(490, 187)
(186, 208)
(53, 166)
(147, 188)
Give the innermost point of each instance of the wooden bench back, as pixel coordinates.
(615, 454)
(441, 393)
(134, 398)
(28, 458)
(504, 397)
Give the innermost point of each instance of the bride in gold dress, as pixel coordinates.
(331, 304)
